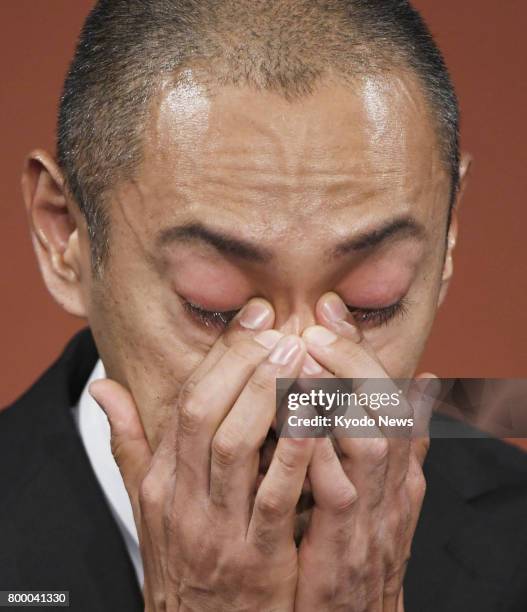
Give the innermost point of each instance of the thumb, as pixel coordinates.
(130, 447)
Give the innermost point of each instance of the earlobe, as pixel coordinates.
(54, 231)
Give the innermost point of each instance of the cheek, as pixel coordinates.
(399, 346)
(399, 354)
(146, 346)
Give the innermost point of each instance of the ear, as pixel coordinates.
(54, 231)
(448, 267)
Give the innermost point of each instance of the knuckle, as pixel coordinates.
(149, 494)
(344, 501)
(272, 508)
(226, 450)
(377, 452)
(290, 457)
(417, 484)
(425, 444)
(190, 413)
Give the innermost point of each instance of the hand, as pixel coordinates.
(208, 541)
(354, 553)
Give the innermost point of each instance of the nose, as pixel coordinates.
(294, 319)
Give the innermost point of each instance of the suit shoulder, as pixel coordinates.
(30, 424)
(479, 465)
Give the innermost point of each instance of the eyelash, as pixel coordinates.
(379, 316)
(375, 317)
(210, 318)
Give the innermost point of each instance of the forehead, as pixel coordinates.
(235, 151)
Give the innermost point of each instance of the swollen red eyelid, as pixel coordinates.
(373, 294)
(214, 299)
(378, 283)
(215, 286)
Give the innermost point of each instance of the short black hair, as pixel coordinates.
(127, 47)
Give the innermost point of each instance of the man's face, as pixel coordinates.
(244, 194)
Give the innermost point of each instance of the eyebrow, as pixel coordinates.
(222, 242)
(242, 249)
(403, 227)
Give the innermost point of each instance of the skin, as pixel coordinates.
(300, 184)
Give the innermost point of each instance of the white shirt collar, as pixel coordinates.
(94, 430)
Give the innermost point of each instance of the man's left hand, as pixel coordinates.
(368, 494)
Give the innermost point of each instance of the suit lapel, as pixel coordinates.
(59, 530)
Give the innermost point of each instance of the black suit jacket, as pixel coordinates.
(57, 532)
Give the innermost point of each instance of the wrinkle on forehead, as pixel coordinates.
(255, 160)
(272, 121)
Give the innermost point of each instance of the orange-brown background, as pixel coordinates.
(481, 331)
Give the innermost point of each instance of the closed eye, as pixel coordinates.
(210, 318)
(370, 317)
(376, 317)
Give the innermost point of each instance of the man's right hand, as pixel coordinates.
(209, 540)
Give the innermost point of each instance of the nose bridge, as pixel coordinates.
(293, 316)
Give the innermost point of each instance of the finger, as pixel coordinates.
(203, 405)
(416, 486)
(235, 449)
(257, 315)
(130, 447)
(331, 526)
(199, 401)
(414, 493)
(348, 355)
(343, 356)
(312, 369)
(272, 522)
(345, 352)
(423, 394)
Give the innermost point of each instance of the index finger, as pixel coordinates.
(257, 315)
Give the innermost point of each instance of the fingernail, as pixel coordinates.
(311, 367)
(319, 336)
(268, 338)
(255, 315)
(285, 351)
(334, 308)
